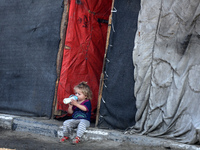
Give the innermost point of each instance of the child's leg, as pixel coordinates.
(82, 127)
(68, 125)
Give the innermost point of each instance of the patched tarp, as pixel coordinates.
(84, 48)
(117, 110)
(29, 41)
(166, 57)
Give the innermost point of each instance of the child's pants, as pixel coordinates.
(81, 125)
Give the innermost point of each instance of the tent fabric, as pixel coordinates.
(84, 48)
(166, 57)
(28, 49)
(117, 109)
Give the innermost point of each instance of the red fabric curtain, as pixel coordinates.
(84, 48)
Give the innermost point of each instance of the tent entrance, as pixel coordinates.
(82, 48)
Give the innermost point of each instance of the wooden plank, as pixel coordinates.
(63, 29)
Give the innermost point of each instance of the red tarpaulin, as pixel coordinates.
(84, 48)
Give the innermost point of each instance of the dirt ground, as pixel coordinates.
(26, 141)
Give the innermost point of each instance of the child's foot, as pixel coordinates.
(76, 140)
(64, 138)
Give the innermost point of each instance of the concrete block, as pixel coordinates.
(6, 121)
(35, 126)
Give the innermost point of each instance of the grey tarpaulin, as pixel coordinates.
(29, 42)
(166, 57)
(117, 108)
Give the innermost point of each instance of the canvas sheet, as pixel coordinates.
(30, 34)
(117, 110)
(166, 57)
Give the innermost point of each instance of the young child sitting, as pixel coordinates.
(81, 113)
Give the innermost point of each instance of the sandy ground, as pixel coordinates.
(26, 141)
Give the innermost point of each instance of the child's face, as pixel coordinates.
(80, 94)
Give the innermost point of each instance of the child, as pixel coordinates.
(81, 110)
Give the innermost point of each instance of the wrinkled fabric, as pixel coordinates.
(167, 70)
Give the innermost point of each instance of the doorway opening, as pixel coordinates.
(84, 31)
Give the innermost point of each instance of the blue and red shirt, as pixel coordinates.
(79, 114)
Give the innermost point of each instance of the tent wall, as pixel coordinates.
(167, 85)
(117, 108)
(28, 49)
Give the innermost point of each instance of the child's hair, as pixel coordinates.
(84, 87)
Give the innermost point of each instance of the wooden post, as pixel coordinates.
(63, 28)
(102, 74)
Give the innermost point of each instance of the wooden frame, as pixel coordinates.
(63, 29)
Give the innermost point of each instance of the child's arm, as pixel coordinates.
(70, 110)
(82, 107)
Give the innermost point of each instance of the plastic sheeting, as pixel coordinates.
(29, 42)
(117, 110)
(166, 56)
(84, 48)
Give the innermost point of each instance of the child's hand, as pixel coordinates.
(70, 105)
(70, 110)
(74, 102)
